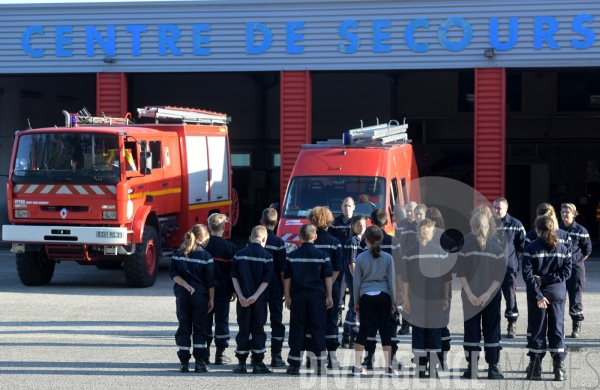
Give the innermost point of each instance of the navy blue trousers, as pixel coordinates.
(426, 342)
(307, 318)
(487, 319)
(191, 314)
(350, 321)
(509, 290)
(275, 293)
(548, 322)
(251, 321)
(332, 331)
(220, 317)
(575, 286)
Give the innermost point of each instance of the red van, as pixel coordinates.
(372, 165)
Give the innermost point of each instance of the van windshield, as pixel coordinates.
(307, 192)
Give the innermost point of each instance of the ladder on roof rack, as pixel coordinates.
(83, 117)
(383, 133)
(186, 115)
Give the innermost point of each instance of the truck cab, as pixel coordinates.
(372, 165)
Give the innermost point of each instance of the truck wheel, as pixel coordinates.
(34, 268)
(141, 268)
(110, 265)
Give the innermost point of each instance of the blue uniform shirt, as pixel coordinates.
(276, 247)
(423, 286)
(400, 226)
(252, 266)
(351, 250)
(581, 245)
(308, 267)
(481, 267)
(408, 236)
(222, 252)
(340, 228)
(197, 269)
(390, 245)
(512, 240)
(563, 238)
(332, 247)
(553, 266)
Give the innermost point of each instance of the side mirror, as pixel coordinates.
(146, 162)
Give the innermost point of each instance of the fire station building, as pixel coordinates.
(502, 95)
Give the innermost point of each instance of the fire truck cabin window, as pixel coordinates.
(310, 191)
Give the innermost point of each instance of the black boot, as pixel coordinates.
(185, 367)
(511, 332)
(560, 374)
(277, 360)
(471, 372)
(576, 329)
(345, 342)
(368, 361)
(200, 366)
(535, 374)
(292, 370)
(352, 342)
(240, 368)
(308, 363)
(332, 360)
(220, 358)
(405, 328)
(260, 368)
(494, 372)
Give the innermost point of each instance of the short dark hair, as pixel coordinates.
(269, 217)
(379, 218)
(356, 219)
(307, 232)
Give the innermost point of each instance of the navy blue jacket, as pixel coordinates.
(351, 250)
(512, 235)
(554, 268)
(276, 247)
(563, 238)
(581, 245)
(481, 267)
(197, 269)
(408, 236)
(400, 226)
(333, 248)
(222, 252)
(252, 266)
(308, 267)
(423, 286)
(340, 228)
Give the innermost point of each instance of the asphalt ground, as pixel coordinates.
(87, 329)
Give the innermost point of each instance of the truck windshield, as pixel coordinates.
(71, 157)
(310, 191)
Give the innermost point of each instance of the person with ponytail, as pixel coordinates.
(374, 289)
(546, 269)
(427, 276)
(192, 269)
(481, 269)
(546, 209)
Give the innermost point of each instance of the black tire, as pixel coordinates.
(34, 268)
(110, 264)
(138, 271)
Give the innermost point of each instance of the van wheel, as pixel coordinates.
(141, 268)
(110, 264)
(34, 268)
(235, 207)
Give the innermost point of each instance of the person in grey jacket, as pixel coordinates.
(374, 291)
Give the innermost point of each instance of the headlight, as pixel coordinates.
(109, 215)
(290, 246)
(21, 214)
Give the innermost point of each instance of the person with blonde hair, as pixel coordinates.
(322, 218)
(222, 252)
(251, 273)
(481, 270)
(546, 209)
(581, 248)
(192, 270)
(426, 278)
(546, 269)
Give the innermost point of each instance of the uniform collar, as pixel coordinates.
(307, 244)
(254, 245)
(572, 227)
(507, 218)
(321, 232)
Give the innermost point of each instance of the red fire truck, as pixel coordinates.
(374, 165)
(103, 191)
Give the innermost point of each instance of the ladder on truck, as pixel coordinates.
(185, 115)
(83, 117)
(389, 132)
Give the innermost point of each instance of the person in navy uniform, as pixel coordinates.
(581, 248)
(546, 269)
(352, 249)
(341, 229)
(192, 270)
(251, 272)
(374, 291)
(481, 270)
(391, 246)
(308, 295)
(512, 235)
(222, 252)
(401, 224)
(427, 277)
(546, 209)
(322, 218)
(276, 247)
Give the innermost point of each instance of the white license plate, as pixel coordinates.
(109, 234)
